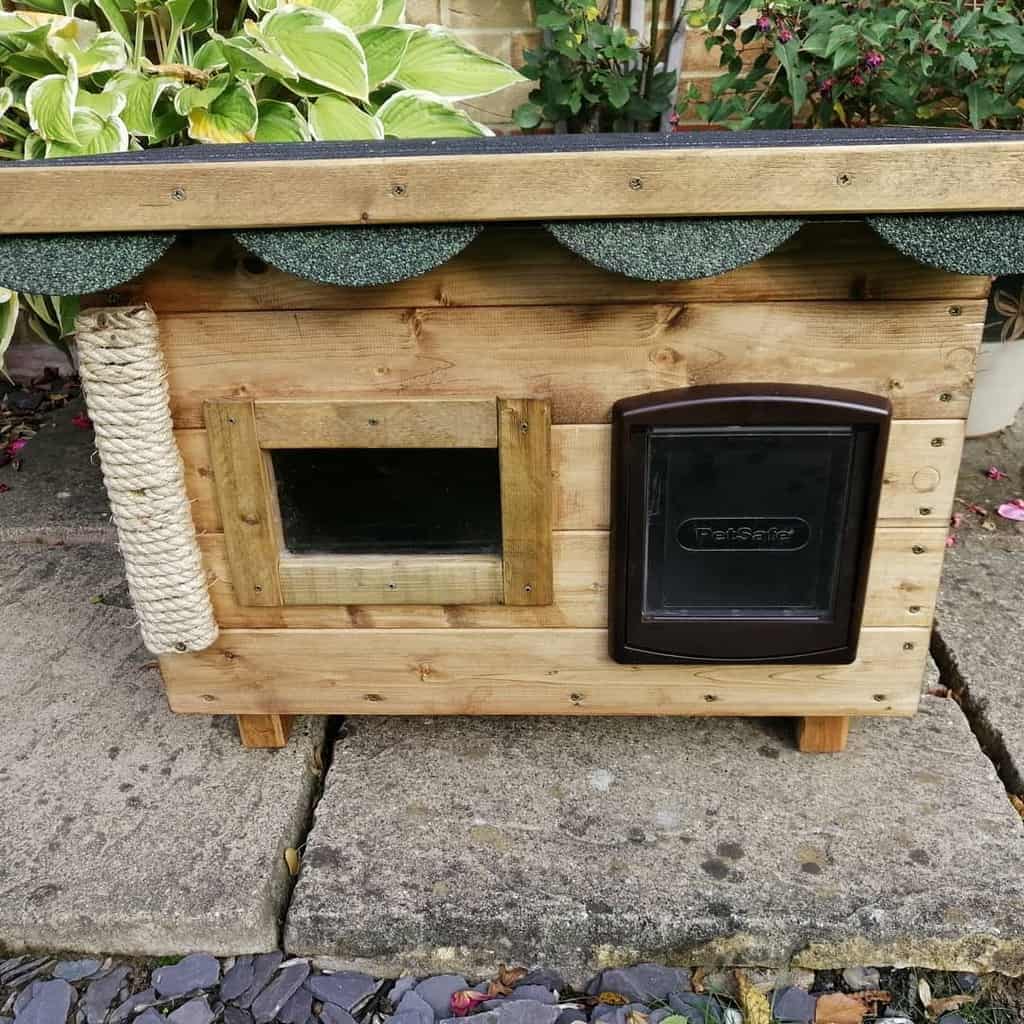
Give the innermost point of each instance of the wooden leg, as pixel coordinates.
(264, 730)
(820, 735)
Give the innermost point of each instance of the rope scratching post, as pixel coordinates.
(125, 382)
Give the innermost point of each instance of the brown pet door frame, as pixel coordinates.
(742, 522)
(243, 434)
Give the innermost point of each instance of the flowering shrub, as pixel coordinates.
(826, 63)
(593, 74)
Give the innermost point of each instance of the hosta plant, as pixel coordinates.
(82, 77)
(837, 64)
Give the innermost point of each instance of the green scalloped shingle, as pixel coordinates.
(964, 243)
(76, 264)
(674, 250)
(360, 256)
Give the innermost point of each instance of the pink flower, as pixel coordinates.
(4, 488)
(856, 79)
(465, 1002)
(1012, 509)
(785, 35)
(994, 473)
(16, 445)
(950, 541)
(873, 59)
(764, 23)
(82, 421)
(825, 86)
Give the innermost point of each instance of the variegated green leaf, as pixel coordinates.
(384, 47)
(95, 135)
(437, 61)
(421, 115)
(47, 6)
(140, 93)
(6, 100)
(210, 56)
(34, 148)
(79, 31)
(225, 114)
(354, 13)
(107, 52)
(106, 104)
(334, 117)
(392, 12)
(321, 49)
(192, 96)
(8, 321)
(245, 54)
(51, 107)
(280, 122)
(115, 19)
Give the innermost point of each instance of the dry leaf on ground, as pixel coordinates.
(612, 999)
(510, 976)
(753, 1003)
(291, 858)
(937, 1007)
(839, 1008)
(697, 981)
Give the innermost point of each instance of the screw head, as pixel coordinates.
(956, 310)
(843, 180)
(945, 397)
(937, 442)
(398, 190)
(181, 646)
(636, 184)
(908, 646)
(925, 511)
(178, 194)
(917, 549)
(528, 588)
(914, 609)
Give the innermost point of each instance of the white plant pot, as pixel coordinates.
(999, 387)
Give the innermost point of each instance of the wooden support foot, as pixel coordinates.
(264, 730)
(821, 735)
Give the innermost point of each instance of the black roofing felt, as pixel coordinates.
(514, 144)
(650, 250)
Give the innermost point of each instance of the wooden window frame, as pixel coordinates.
(242, 435)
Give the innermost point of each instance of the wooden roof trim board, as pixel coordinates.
(797, 173)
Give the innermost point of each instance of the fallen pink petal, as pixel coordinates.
(464, 1002)
(81, 421)
(956, 520)
(1012, 510)
(995, 473)
(950, 541)
(15, 446)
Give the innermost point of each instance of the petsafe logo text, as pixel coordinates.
(749, 533)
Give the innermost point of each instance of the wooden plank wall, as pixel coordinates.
(515, 314)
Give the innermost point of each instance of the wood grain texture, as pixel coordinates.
(901, 580)
(516, 672)
(516, 266)
(391, 580)
(581, 462)
(389, 423)
(822, 734)
(248, 515)
(699, 181)
(524, 464)
(917, 354)
(258, 732)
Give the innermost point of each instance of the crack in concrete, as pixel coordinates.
(989, 738)
(332, 732)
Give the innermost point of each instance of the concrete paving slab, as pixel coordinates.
(126, 828)
(979, 633)
(58, 496)
(454, 844)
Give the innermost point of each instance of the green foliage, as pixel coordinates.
(824, 63)
(592, 74)
(101, 76)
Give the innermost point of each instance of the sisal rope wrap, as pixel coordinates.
(125, 382)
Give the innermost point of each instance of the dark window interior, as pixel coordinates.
(389, 500)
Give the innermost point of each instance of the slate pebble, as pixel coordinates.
(331, 1014)
(131, 1004)
(25, 996)
(150, 1016)
(438, 992)
(415, 1007)
(269, 1002)
(238, 978)
(298, 1008)
(50, 1002)
(643, 982)
(346, 989)
(101, 994)
(571, 1015)
(263, 967)
(76, 970)
(190, 974)
(794, 1006)
(699, 1009)
(236, 1015)
(404, 984)
(542, 976)
(521, 1011)
(195, 1011)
